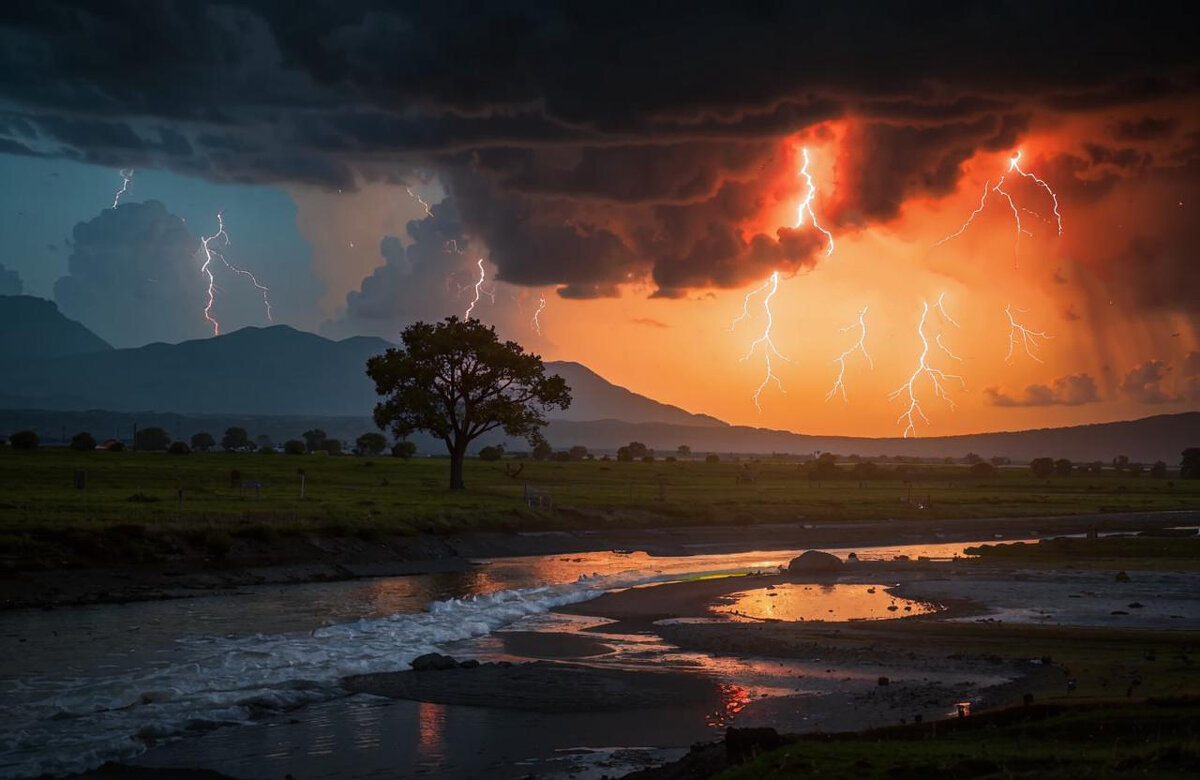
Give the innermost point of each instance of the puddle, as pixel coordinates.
(835, 602)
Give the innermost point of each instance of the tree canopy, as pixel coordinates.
(456, 380)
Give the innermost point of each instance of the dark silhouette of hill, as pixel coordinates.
(253, 371)
(34, 328)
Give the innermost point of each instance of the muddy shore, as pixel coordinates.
(327, 559)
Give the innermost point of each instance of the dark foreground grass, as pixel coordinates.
(37, 490)
(1121, 552)
(1154, 738)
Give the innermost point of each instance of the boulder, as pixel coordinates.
(744, 744)
(815, 562)
(433, 662)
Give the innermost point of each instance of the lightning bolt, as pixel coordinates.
(936, 376)
(206, 269)
(419, 199)
(126, 177)
(537, 322)
(1014, 166)
(1019, 335)
(764, 341)
(478, 290)
(858, 346)
(805, 206)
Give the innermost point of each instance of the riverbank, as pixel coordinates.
(256, 560)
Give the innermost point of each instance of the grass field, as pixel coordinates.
(38, 491)
(1158, 738)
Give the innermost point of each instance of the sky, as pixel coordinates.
(995, 227)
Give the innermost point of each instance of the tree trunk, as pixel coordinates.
(457, 454)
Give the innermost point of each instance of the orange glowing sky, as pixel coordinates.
(683, 352)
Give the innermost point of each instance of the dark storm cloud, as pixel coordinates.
(605, 141)
(10, 282)
(133, 275)
(1073, 390)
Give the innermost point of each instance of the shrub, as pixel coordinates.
(294, 447)
(647, 459)
(712, 457)
(153, 439)
(83, 442)
(370, 444)
(491, 452)
(235, 439)
(23, 440)
(266, 449)
(982, 469)
(179, 448)
(1042, 467)
(115, 446)
(404, 449)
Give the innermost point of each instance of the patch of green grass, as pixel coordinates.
(1155, 738)
(1119, 552)
(160, 491)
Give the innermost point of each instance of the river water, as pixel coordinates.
(249, 683)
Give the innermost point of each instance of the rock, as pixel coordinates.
(470, 663)
(814, 562)
(884, 681)
(744, 744)
(433, 662)
(1135, 605)
(1122, 577)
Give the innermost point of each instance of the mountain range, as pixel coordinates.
(279, 381)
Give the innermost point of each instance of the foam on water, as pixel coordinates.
(70, 724)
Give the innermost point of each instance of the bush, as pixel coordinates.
(235, 439)
(370, 444)
(404, 449)
(295, 447)
(982, 469)
(712, 457)
(491, 453)
(266, 449)
(647, 459)
(83, 442)
(115, 446)
(1042, 467)
(153, 439)
(23, 440)
(179, 448)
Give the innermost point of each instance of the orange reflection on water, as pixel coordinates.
(431, 734)
(734, 699)
(798, 601)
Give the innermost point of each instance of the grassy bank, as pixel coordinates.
(1155, 738)
(1177, 554)
(37, 490)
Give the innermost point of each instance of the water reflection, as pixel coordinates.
(431, 734)
(829, 602)
(734, 699)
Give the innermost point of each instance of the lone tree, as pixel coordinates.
(370, 443)
(456, 380)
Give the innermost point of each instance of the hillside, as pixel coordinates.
(276, 371)
(34, 328)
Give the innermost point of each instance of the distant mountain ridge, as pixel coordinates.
(254, 371)
(34, 328)
(280, 381)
